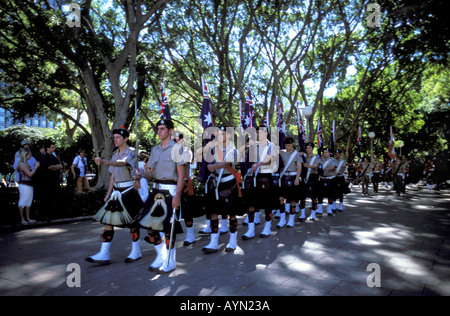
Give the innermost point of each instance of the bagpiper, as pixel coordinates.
(123, 203)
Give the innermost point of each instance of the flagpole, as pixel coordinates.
(136, 122)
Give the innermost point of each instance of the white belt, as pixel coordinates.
(292, 173)
(339, 175)
(400, 174)
(332, 177)
(125, 184)
(167, 187)
(266, 171)
(227, 178)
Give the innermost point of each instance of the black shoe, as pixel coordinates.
(130, 260)
(100, 262)
(209, 250)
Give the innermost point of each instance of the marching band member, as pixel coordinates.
(365, 170)
(399, 170)
(327, 183)
(123, 202)
(261, 194)
(341, 186)
(311, 182)
(167, 170)
(289, 182)
(189, 203)
(224, 195)
(376, 170)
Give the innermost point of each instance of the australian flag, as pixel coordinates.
(332, 140)
(391, 149)
(301, 132)
(280, 123)
(358, 143)
(319, 137)
(249, 111)
(248, 120)
(206, 117)
(164, 112)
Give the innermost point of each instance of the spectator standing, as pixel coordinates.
(25, 186)
(79, 171)
(50, 181)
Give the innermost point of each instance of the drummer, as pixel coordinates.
(121, 166)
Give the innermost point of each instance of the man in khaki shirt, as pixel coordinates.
(121, 166)
(365, 170)
(167, 171)
(376, 170)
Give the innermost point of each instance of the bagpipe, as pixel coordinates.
(122, 208)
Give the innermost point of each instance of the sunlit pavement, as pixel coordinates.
(406, 239)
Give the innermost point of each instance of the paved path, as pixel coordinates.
(407, 237)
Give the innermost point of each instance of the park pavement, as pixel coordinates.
(380, 245)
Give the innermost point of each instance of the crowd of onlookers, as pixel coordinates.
(39, 179)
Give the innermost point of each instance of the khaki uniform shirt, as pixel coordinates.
(308, 161)
(401, 166)
(273, 166)
(366, 169)
(122, 174)
(164, 163)
(342, 165)
(327, 163)
(377, 166)
(229, 154)
(285, 156)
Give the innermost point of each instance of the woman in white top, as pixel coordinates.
(25, 186)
